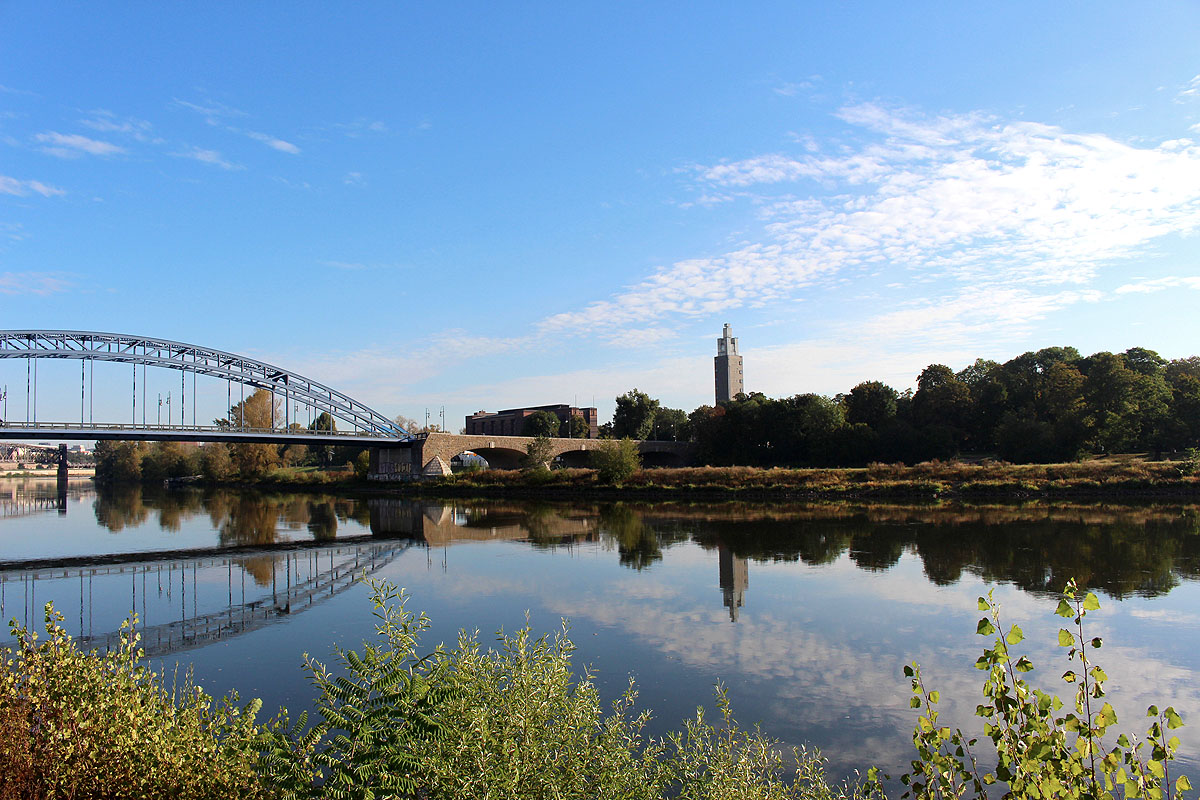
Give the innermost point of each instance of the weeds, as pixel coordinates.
(1038, 752)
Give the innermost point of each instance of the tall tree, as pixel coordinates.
(634, 417)
(872, 403)
(541, 423)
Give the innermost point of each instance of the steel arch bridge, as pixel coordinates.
(368, 426)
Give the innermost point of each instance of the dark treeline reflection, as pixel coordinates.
(1120, 549)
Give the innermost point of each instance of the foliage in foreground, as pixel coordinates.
(85, 725)
(512, 722)
(1038, 752)
(515, 721)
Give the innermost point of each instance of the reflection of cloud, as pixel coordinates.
(1168, 616)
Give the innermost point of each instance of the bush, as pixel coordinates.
(1037, 752)
(514, 722)
(85, 725)
(615, 460)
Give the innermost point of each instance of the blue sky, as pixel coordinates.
(485, 205)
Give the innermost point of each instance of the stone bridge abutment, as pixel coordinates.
(429, 455)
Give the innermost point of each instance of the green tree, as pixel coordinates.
(575, 427)
(634, 417)
(615, 460)
(670, 425)
(540, 423)
(872, 403)
(537, 455)
(323, 453)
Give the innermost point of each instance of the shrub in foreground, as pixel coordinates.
(1039, 751)
(511, 722)
(86, 725)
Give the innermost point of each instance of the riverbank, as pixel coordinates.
(1131, 477)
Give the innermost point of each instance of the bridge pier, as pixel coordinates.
(62, 466)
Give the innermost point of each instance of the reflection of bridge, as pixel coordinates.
(299, 579)
(397, 455)
(24, 506)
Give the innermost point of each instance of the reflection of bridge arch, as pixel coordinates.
(328, 571)
(138, 350)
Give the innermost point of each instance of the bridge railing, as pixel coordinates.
(133, 427)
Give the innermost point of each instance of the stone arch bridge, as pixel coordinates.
(429, 455)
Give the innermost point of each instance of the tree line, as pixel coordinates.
(133, 461)
(1043, 406)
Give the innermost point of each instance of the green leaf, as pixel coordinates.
(914, 702)
(1091, 602)
(1152, 711)
(934, 697)
(1183, 784)
(1023, 664)
(1173, 719)
(985, 627)
(1064, 609)
(1015, 636)
(1097, 642)
(1065, 638)
(983, 604)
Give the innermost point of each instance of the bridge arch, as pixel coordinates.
(198, 360)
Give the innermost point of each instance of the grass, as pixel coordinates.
(1121, 475)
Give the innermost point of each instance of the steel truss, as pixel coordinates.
(139, 350)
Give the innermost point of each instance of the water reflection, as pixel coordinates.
(1119, 549)
(842, 594)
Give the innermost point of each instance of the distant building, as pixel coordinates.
(728, 368)
(511, 421)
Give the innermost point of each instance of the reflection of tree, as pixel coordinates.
(1122, 551)
(322, 520)
(119, 506)
(637, 544)
(878, 549)
(260, 568)
(251, 520)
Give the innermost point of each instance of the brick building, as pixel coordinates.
(511, 421)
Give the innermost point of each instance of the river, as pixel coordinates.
(806, 613)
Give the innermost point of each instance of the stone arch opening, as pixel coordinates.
(468, 460)
(573, 459)
(661, 459)
(500, 457)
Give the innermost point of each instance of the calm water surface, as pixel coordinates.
(806, 613)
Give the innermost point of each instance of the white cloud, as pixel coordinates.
(73, 145)
(211, 110)
(107, 122)
(271, 141)
(354, 179)
(1003, 223)
(1159, 284)
(1189, 91)
(21, 188)
(207, 157)
(39, 283)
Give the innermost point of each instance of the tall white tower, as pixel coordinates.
(728, 367)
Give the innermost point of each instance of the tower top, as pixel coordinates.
(727, 344)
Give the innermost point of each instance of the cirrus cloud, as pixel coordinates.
(1023, 213)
